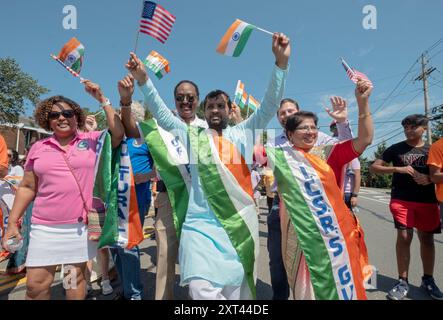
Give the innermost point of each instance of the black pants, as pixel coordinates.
(279, 280)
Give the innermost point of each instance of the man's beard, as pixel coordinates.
(223, 124)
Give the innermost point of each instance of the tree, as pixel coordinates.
(15, 88)
(371, 179)
(437, 128)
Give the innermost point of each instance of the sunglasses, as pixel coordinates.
(56, 114)
(188, 97)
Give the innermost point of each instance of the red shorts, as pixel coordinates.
(422, 216)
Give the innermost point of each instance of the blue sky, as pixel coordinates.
(321, 32)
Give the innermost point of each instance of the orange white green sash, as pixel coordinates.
(114, 189)
(171, 161)
(228, 189)
(335, 253)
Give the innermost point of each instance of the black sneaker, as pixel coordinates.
(431, 288)
(400, 291)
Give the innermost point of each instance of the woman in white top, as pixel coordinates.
(15, 170)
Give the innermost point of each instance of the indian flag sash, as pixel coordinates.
(332, 245)
(114, 192)
(226, 182)
(172, 162)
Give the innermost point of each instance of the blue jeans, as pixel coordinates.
(127, 261)
(279, 279)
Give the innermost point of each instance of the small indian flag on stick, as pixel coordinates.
(235, 39)
(157, 64)
(239, 93)
(252, 103)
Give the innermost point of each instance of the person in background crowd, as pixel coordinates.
(413, 204)
(59, 176)
(4, 162)
(15, 169)
(352, 179)
(269, 181)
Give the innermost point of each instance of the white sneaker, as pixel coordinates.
(106, 287)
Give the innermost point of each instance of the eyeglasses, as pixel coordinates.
(65, 113)
(307, 128)
(189, 97)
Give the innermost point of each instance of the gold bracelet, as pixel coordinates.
(365, 115)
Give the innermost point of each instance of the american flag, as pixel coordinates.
(156, 21)
(352, 73)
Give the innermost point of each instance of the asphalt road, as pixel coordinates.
(380, 238)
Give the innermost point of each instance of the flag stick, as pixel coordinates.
(349, 68)
(136, 42)
(98, 113)
(138, 31)
(75, 74)
(265, 31)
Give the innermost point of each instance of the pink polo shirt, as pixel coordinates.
(58, 199)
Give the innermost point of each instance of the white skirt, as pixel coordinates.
(59, 244)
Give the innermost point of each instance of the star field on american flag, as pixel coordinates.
(156, 21)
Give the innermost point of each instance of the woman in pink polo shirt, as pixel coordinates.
(58, 231)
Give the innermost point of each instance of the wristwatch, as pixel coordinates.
(354, 195)
(105, 103)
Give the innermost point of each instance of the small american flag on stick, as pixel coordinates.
(156, 21)
(352, 73)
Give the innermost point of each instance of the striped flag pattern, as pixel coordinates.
(253, 103)
(157, 64)
(235, 39)
(156, 21)
(75, 74)
(352, 73)
(72, 54)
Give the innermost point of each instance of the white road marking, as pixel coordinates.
(376, 200)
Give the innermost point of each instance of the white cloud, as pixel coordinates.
(364, 51)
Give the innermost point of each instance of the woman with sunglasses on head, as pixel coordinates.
(56, 169)
(326, 257)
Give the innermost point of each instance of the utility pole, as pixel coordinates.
(424, 77)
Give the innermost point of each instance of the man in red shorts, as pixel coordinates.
(413, 204)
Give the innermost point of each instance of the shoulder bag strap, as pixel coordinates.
(76, 180)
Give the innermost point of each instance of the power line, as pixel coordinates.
(342, 87)
(435, 45)
(395, 88)
(436, 54)
(376, 145)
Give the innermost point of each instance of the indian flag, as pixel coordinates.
(114, 192)
(252, 103)
(240, 89)
(72, 55)
(157, 64)
(235, 39)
